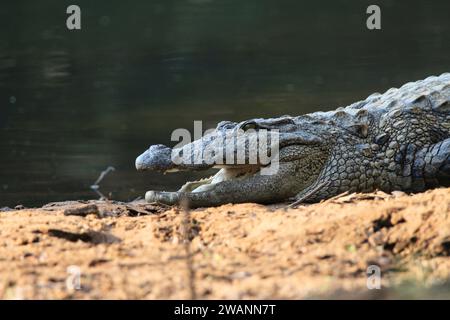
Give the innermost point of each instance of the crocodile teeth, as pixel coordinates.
(226, 174)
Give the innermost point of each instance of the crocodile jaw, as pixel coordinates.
(224, 174)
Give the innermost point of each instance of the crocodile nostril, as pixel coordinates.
(156, 147)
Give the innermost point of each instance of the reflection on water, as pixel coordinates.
(75, 102)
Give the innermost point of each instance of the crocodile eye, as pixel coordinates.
(249, 126)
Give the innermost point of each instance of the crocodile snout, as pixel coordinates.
(157, 157)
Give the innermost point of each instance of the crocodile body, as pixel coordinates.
(399, 140)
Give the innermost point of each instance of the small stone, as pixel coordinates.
(82, 211)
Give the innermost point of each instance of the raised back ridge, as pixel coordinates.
(432, 93)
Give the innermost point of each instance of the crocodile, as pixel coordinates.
(398, 140)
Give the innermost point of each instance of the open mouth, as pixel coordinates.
(233, 182)
(225, 173)
(158, 158)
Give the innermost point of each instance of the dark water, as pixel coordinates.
(75, 102)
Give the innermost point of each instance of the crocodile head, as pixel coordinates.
(258, 160)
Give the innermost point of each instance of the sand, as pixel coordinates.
(112, 250)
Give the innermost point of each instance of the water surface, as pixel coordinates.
(75, 102)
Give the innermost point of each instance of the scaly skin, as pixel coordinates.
(399, 140)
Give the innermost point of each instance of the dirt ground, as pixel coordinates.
(246, 251)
